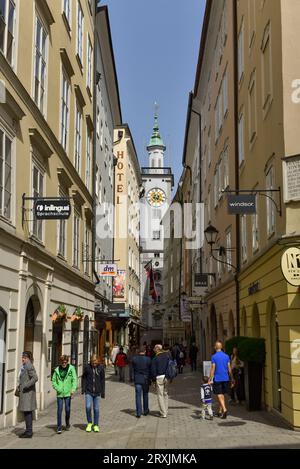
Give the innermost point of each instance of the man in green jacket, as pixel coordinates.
(64, 381)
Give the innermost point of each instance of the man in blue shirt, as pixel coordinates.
(220, 373)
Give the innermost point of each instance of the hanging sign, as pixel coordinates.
(241, 204)
(52, 209)
(201, 280)
(290, 266)
(291, 178)
(185, 312)
(108, 270)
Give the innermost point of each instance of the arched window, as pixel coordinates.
(2, 355)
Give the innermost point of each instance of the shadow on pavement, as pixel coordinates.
(231, 424)
(52, 427)
(80, 426)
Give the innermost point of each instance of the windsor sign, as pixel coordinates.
(241, 204)
(52, 209)
(290, 266)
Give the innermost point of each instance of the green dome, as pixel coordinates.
(156, 140)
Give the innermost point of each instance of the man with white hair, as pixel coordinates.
(158, 370)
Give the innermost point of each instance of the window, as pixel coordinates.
(241, 139)
(80, 32)
(226, 166)
(244, 237)
(37, 191)
(156, 235)
(270, 183)
(156, 213)
(65, 102)
(7, 28)
(251, 18)
(89, 64)
(76, 227)
(156, 254)
(220, 178)
(87, 249)
(62, 225)
(67, 11)
(228, 250)
(88, 160)
(216, 187)
(225, 93)
(266, 67)
(98, 122)
(208, 207)
(3, 357)
(241, 52)
(40, 65)
(5, 175)
(78, 139)
(209, 148)
(254, 221)
(252, 108)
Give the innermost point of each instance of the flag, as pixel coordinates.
(152, 289)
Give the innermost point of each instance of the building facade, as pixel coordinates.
(125, 313)
(157, 184)
(46, 130)
(268, 122)
(107, 116)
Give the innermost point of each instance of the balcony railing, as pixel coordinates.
(148, 170)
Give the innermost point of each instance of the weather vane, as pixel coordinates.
(156, 108)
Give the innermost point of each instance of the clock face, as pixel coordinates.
(156, 197)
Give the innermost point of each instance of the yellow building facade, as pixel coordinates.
(46, 135)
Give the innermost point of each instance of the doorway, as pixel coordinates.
(74, 344)
(29, 327)
(275, 358)
(2, 355)
(57, 334)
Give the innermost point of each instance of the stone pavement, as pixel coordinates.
(120, 429)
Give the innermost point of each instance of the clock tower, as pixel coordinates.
(158, 182)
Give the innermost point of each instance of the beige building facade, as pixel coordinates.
(126, 314)
(46, 132)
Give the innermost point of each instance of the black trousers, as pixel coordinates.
(194, 363)
(28, 422)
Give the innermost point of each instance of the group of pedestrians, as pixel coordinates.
(148, 369)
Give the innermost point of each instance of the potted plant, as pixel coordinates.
(252, 352)
(59, 314)
(77, 315)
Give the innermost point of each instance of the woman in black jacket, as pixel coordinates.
(93, 386)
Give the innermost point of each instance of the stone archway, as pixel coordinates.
(231, 327)
(255, 321)
(213, 325)
(244, 322)
(273, 354)
(3, 322)
(221, 329)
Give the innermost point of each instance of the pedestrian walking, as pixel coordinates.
(180, 358)
(121, 362)
(193, 356)
(141, 365)
(237, 368)
(93, 386)
(114, 353)
(26, 392)
(159, 367)
(220, 374)
(131, 353)
(106, 353)
(206, 394)
(64, 381)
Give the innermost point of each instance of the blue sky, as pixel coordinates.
(156, 45)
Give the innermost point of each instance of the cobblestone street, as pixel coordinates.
(182, 429)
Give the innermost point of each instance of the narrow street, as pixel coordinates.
(182, 429)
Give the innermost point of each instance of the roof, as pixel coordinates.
(156, 140)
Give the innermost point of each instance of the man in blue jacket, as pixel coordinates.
(142, 377)
(158, 370)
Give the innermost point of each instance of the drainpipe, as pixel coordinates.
(236, 129)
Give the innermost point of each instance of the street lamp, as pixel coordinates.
(211, 234)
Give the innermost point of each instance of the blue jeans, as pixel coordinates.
(60, 404)
(92, 400)
(140, 390)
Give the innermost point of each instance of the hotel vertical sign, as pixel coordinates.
(120, 176)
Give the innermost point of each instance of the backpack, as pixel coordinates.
(171, 371)
(181, 355)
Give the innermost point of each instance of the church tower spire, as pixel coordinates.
(156, 147)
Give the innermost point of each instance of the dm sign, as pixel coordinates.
(108, 270)
(241, 204)
(52, 209)
(290, 266)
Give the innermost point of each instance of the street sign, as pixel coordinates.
(290, 266)
(52, 209)
(185, 312)
(241, 204)
(201, 280)
(108, 270)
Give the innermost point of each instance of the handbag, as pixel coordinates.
(17, 391)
